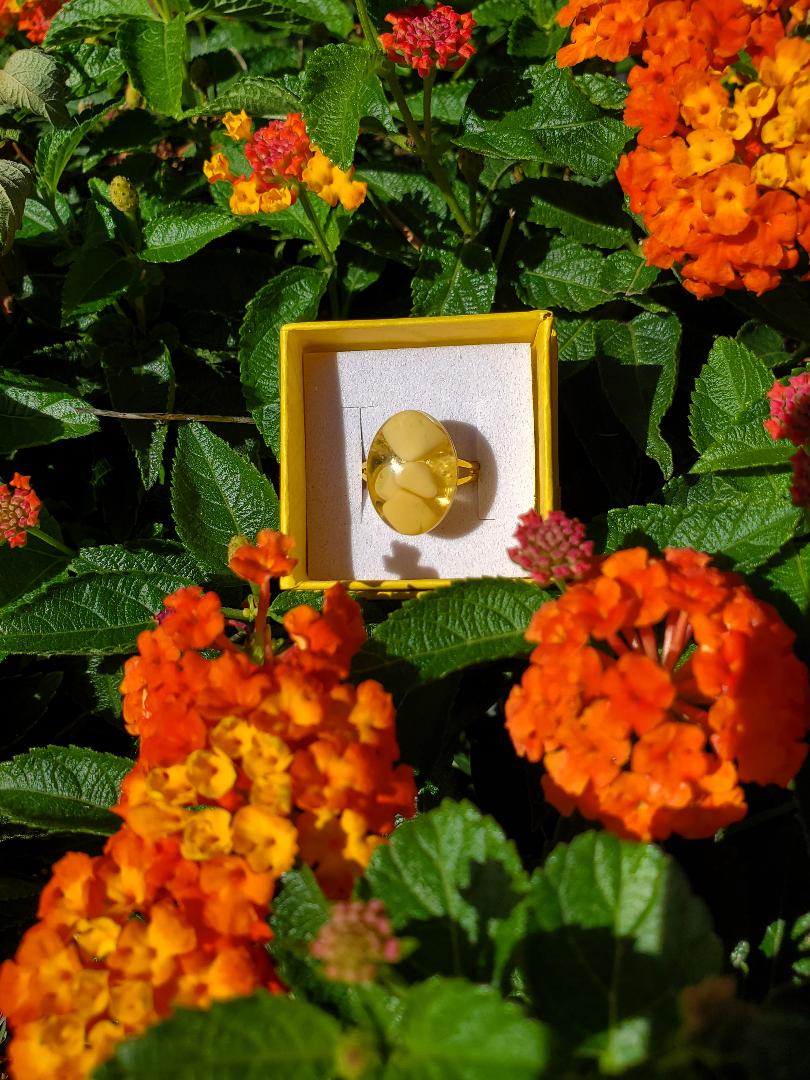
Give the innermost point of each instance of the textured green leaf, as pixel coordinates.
(78, 18)
(613, 935)
(217, 494)
(334, 80)
(34, 81)
(57, 145)
(258, 95)
(38, 411)
(576, 340)
(587, 214)
(101, 610)
(539, 114)
(334, 14)
(16, 181)
(731, 379)
(449, 878)
(528, 40)
(578, 278)
(27, 568)
(154, 54)
(767, 344)
(499, 13)
(460, 282)
(728, 409)
(96, 278)
(263, 1037)
(182, 230)
(451, 628)
(639, 370)
(62, 789)
(789, 575)
(292, 296)
(747, 527)
(454, 1030)
(603, 90)
(147, 386)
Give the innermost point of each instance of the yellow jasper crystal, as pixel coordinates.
(412, 472)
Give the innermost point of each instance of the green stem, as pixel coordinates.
(369, 32)
(327, 256)
(426, 153)
(51, 540)
(427, 94)
(235, 613)
(507, 232)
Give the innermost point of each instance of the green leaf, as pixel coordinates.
(603, 90)
(333, 14)
(62, 789)
(748, 527)
(57, 145)
(184, 229)
(587, 214)
(334, 81)
(34, 81)
(454, 1030)
(154, 54)
(613, 935)
(78, 18)
(114, 596)
(576, 340)
(449, 629)
(571, 276)
(728, 409)
(460, 282)
(27, 568)
(34, 412)
(258, 95)
(217, 494)
(16, 182)
(539, 114)
(767, 344)
(262, 1037)
(449, 879)
(96, 278)
(147, 386)
(292, 296)
(639, 371)
(789, 576)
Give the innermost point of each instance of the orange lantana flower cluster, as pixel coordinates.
(721, 173)
(243, 768)
(30, 17)
(283, 161)
(636, 731)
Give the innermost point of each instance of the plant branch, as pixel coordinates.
(166, 416)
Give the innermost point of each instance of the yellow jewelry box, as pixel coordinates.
(302, 341)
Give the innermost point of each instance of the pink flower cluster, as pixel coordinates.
(553, 548)
(790, 419)
(355, 941)
(426, 40)
(19, 510)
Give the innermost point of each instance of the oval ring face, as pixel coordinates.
(412, 472)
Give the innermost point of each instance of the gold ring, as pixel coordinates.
(413, 472)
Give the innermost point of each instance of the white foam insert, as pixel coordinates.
(483, 396)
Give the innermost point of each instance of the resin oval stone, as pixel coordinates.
(412, 472)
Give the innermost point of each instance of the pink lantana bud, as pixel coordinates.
(19, 510)
(553, 548)
(800, 488)
(355, 941)
(790, 409)
(426, 40)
